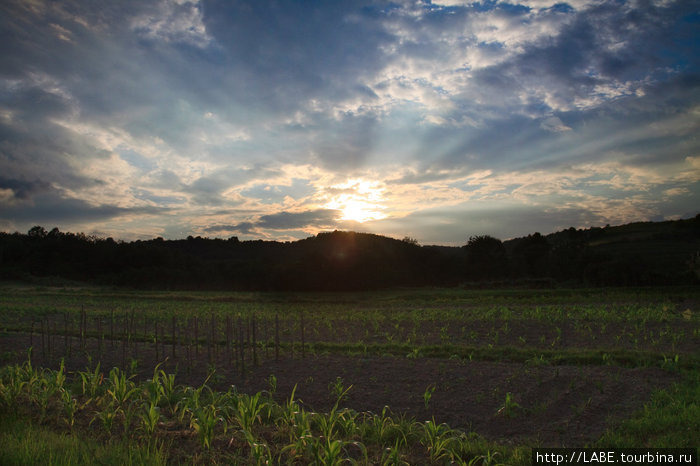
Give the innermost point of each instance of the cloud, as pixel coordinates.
(317, 219)
(173, 22)
(54, 208)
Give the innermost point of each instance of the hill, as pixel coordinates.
(637, 254)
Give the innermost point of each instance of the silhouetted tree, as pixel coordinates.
(531, 256)
(409, 240)
(37, 232)
(486, 258)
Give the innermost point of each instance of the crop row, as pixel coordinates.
(237, 337)
(201, 425)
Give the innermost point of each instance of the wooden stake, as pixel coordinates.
(228, 338)
(210, 337)
(303, 348)
(65, 333)
(255, 354)
(196, 338)
(173, 341)
(48, 336)
(43, 345)
(241, 349)
(55, 335)
(101, 337)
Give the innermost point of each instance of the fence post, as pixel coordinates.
(228, 338)
(255, 354)
(196, 338)
(277, 337)
(241, 348)
(155, 326)
(173, 340)
(303, 348)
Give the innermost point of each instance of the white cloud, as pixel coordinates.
(554, 124)
(173, 21)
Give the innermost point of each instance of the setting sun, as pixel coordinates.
(358, 200)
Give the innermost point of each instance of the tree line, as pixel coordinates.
(640, 254)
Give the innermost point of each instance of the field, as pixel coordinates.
(394, 377)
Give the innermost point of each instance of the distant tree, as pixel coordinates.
(409, 240)
(531, 256)
(37, 232)
(486, 258)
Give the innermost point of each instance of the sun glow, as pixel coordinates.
(358, 200)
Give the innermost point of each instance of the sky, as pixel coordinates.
(277, 120)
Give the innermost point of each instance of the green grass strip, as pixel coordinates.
(671, 419)
(535, 356)
(25, 443)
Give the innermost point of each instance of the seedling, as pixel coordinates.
(510, 408)
(428, 395)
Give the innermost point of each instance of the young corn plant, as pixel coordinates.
(259, 451)
(248, 410)
(347, 422)
(12, 385)
(150, 416)
(327, 452)
(510, 407)
(70, 407)
(169, 393)
(91, 381)
(153, 387)
(121, 391)
(382, 429)
(391, 456)
(327, 423)
(300, 438)
(487, 459)
(204, 421)
(437, 439)
(338, 390)
(428, 395)
(107, 416)
(42, 390)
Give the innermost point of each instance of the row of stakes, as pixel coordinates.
(240, 337)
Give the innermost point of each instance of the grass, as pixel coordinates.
(671, 418)
(23, 442)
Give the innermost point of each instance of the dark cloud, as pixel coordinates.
(604, 45)
(286, 52)
(293, 220)
(319, 218)
(53, 208)
(35, 148)
(208, 189)
(22, 189)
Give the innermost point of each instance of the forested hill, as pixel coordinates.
(650, 253)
